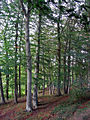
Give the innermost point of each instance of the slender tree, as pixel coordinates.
(7, 63)
(59, 51)
(43, 74)
(69, 61)
(65, 67)
(20, 62)
(16, 84)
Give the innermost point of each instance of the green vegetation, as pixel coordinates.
(44, 55)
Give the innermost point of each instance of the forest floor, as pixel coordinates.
(50, 108)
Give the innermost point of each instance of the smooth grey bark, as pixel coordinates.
(35, 92)
(29, 66)
(28, 55)
(53, 89)
(44, 84)
(35, 96)
(1, 89)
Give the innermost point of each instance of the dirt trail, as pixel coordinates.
(17, 112)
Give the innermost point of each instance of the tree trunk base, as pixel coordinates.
(28, 109)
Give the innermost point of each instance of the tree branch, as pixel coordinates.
(23, 8)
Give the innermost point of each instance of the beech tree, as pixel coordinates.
(35, 93)
(28, 55)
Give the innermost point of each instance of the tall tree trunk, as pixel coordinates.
(72, 71)
(69, 61)
(29, 66)
(76, 75)
(7, 75)
(1, 88)
(28, 54)
(59, 52)
(59, 61)
(20, 79)
(65, 69)
(20, 63)
(65, 73)
(53, 89)
(35, 93)
(44, 85)
(7, 66)
(43, 80)
(49, 73)
(50, 85)
(43, 74)
(16, 86)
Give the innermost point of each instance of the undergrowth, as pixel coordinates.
(69, 107)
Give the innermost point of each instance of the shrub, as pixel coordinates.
(79, 94)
